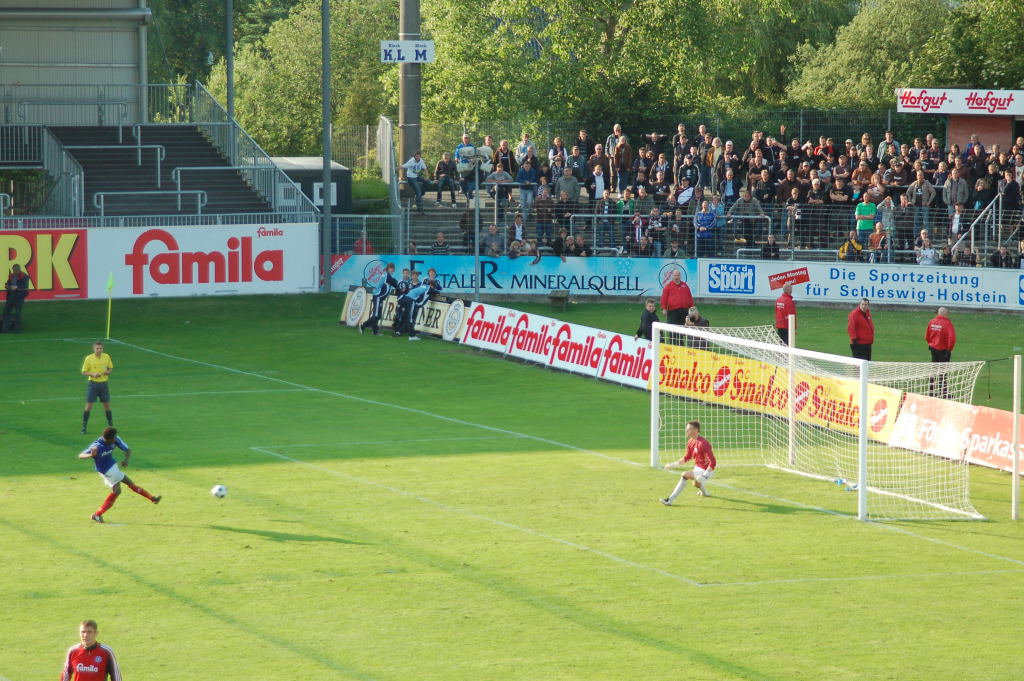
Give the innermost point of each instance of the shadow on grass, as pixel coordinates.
(285, 536)
(762, 507)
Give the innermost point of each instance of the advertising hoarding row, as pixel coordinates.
(166, 261)
(960, 101)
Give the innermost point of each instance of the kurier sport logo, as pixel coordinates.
(453, 320)
(665, 274)
(373, 272)
(731, 278)
(356, 305)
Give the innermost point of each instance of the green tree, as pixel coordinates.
(277, 78)
(977, 46)
(871, 56)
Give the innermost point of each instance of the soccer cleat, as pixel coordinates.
(96, 517)
(376, 333)
(414, 338)
(701, 492)
(360, 330)
(665, 501)
(83, 430)
(157, 498)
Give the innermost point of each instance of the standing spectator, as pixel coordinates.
(577, 163)
(865, 215)
(607, 225)
(784, 307)
(526, 178)
(965, 258)
(957, 221)
(567, 184)
(415, 169)
(922, 194)
(92, 655)
(622, 162)
(770, 249)
(878, 244)
(440, 245)
(491, 242)
(501, 194)
(704, 223)
(744, 214)
(1009, 189)
(940, 336)
(444, 175)
(545, 211)
(97, 367)
(597, 182)
(647, 319)
(612, 140)
(955, 191)
(861, 330)
(1001, 258)
(585, 144)
(676, 299)
(523, 148)
(17, 291)
(505, 158)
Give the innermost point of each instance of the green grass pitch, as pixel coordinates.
(402, 511)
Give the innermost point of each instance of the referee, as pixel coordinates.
(97, 367)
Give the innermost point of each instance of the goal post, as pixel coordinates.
(819, 415)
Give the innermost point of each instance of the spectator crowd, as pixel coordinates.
(654, 195)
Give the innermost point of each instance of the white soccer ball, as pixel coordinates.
(219, 491)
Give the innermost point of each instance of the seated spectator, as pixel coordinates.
(661, 188)
(926, 255)
(965, 258)
(674, 251)
(643, 248)
(492, 242)
(946, 255)
(1001, 258)
(770, 249)
(412, 248)
(878, 243)
(640, 183)
(851, 250)
(440, 246)
(644, 201)
(445, 175)
(514, 250)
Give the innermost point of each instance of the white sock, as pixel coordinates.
(678, 490)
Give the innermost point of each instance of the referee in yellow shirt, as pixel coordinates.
(97, 367)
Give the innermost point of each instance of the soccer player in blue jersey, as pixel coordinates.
(404, 284)
(102, 453)
(414, 300)
(385, 287)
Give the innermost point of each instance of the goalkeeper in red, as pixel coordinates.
(698, 449)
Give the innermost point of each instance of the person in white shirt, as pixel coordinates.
(926, 255)
(415, 170)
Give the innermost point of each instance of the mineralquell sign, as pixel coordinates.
(949, 101)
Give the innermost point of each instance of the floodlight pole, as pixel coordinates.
(409, 86)
(326, 240)
(229, 56)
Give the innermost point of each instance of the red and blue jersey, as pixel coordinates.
(104, 458)
(94, 663)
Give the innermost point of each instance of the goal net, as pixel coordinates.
(761, 402)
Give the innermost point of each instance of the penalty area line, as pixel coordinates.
(555, 443)
(476, 516)
(161, 395)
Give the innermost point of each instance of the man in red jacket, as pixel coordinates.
(784, 307)
(940, 336)
(861, 330)
(676, 299)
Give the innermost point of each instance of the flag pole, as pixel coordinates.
(110, 301)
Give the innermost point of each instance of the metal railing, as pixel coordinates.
(5, 203)
(248, 170)
(160, 155)
(181, 220)
(99, 198)
(68, 194)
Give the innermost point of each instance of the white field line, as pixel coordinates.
(353, 443)
(78, 398)
(562, 445)
(477, 516)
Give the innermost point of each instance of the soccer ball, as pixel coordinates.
(219, 491)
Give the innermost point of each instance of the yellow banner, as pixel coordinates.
(751, 385)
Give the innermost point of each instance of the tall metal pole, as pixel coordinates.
(325, 122)
(229, 54)
(409, 132)
(1015, 441)
(476, 233)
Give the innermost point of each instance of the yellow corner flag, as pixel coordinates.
(110, 300)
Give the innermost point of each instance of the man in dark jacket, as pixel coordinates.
(17, 291)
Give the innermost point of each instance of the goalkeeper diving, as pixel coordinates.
(699, 450)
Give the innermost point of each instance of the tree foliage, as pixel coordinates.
(872, 55)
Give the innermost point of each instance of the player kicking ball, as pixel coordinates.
(698, 449)
(102, 454)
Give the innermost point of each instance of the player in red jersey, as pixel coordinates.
(90, 660)
(698, 449)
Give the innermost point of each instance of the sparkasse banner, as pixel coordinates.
(204, 260)
(849, 282)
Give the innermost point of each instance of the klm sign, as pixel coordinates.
(407, 51)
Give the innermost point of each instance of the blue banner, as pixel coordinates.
(524, 275)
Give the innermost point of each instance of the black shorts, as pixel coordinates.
(100, 391)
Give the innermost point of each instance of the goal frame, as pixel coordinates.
(862, 372)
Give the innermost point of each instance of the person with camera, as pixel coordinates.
(17, 291)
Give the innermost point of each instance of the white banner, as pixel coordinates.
(952, 101)
(406, 51)
(571, 347)
(203, 260)
(849, 282)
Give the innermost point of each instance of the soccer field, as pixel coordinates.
(419, 511)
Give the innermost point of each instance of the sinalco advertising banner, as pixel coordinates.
(752, 385)
(973, 287)
(524, 275)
